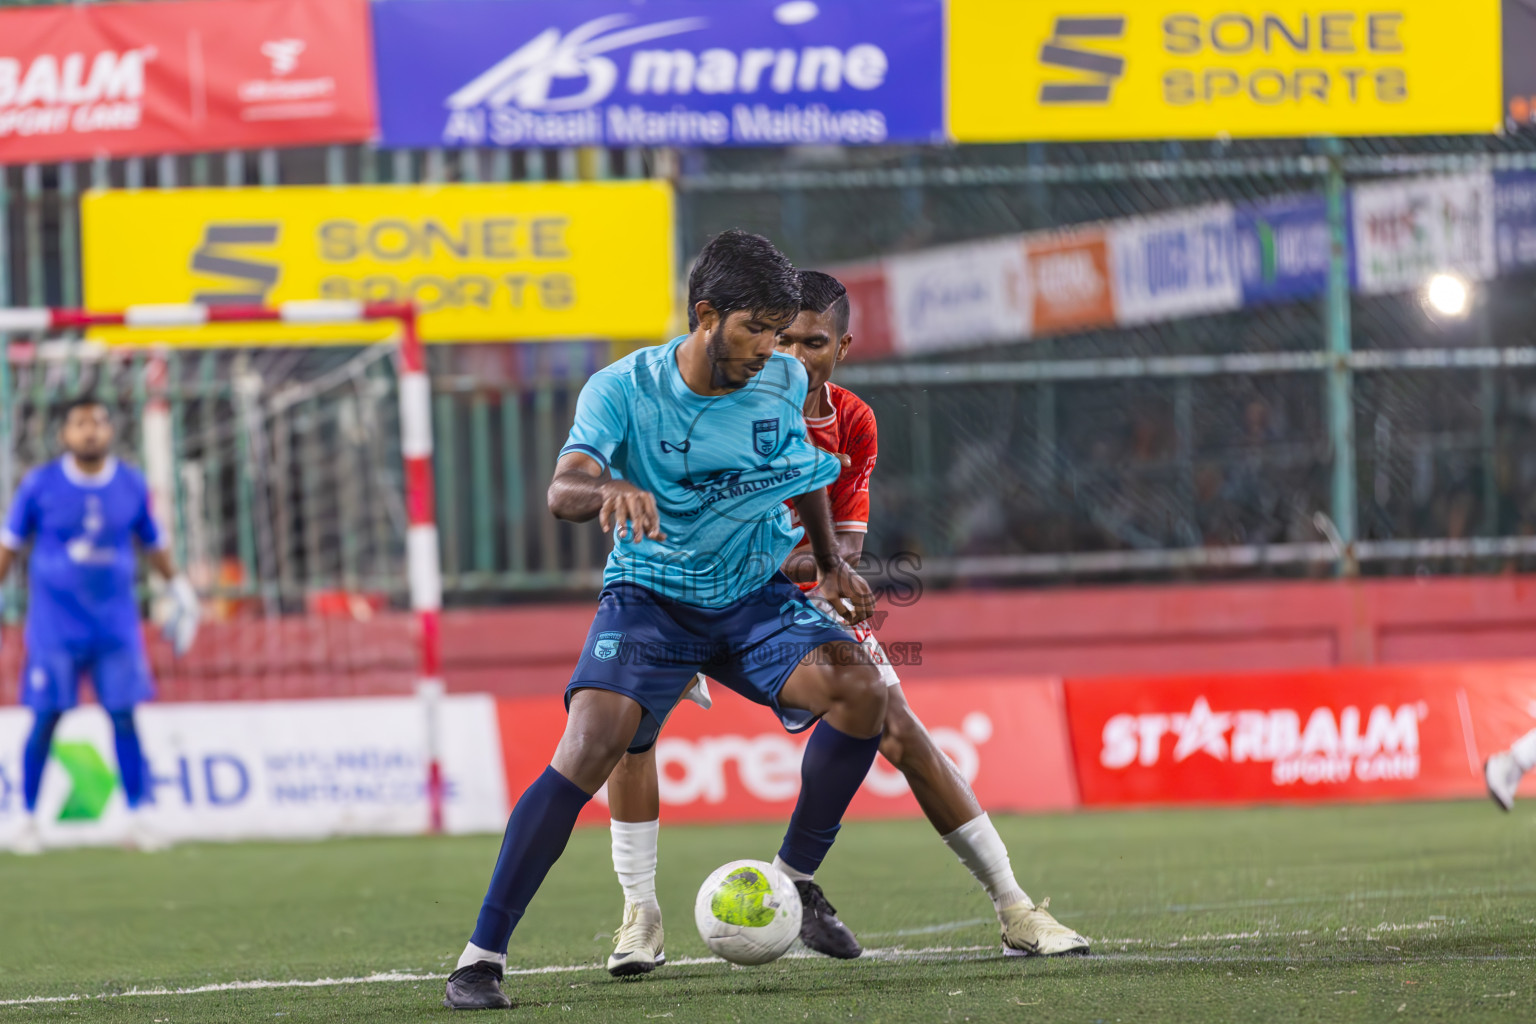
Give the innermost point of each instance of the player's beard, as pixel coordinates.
(720, 360)
(90, 456)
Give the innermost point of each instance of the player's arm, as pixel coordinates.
(801, 565)
(19, 524)
(843, 588)
(849, 496)
(582, 488)
(180, 626)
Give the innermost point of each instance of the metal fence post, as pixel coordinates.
(1340, 386)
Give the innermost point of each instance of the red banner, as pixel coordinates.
(1071, 282)
(84, 80)
(1386, 733)
(735, 763)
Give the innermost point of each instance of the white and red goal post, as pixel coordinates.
(422, 558)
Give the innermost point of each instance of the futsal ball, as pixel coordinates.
(748, 912)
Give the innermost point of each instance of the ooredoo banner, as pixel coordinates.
(1387, 733)
(268, 769)
(84, 80)
(660, 72)
(735, 762)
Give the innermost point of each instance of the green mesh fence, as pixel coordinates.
(1045, 461)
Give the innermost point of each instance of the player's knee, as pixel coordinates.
(904, 737)
(858, 687)
(634, 766)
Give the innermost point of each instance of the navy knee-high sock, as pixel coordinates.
(834, 766)
(130, 756)
(536, 835)
(35, 756)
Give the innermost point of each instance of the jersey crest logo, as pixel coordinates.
(765, 436)
(681, 446)
(607, 646)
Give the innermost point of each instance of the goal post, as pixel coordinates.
(423, 570)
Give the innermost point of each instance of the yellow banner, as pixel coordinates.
(482, 262)
(1024, 70)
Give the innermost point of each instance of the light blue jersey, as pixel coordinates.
(720, 468)
(82, 569)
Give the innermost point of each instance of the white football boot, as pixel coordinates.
(1030, 930)
(144, 837)
(28, 841)
(1502, 774)
(638, 944)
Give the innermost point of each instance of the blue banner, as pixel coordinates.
(1514, 219)
(1282, 248)
(659, 72)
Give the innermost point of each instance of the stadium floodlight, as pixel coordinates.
(1448, 295)
(423, 569)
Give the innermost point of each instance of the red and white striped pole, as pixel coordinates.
(421, 543)
(422, 565)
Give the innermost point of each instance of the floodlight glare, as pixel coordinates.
(1447, 294)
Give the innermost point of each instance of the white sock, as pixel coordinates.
(634, 858)
(473, 954)
(793, 875)
(1524, 751)
(981, 849)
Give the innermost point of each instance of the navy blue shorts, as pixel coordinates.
(649, 648)
(50, 680)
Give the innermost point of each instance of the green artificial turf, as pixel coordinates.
(1406, 912)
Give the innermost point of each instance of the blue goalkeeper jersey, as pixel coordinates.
(720, 468)
(83, 564)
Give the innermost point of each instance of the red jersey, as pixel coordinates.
(849, 430)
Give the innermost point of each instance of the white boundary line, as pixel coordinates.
(1118, 953)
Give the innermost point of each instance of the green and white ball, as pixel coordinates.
(748, 912)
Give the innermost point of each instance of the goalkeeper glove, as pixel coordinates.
(181, 627)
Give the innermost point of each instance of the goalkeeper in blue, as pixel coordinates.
(687, 452)
(83, 513)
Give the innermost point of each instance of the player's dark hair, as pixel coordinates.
(822, 292)
(82, 401)
(737, 270)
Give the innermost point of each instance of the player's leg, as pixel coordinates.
(1504, 770)
(839, 683)
(951, 806)
(614, 703)
(34, 759)
(601, 724)
(634, 807)
(50, 687)
(122, 680)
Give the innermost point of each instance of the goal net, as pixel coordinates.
(294, 484)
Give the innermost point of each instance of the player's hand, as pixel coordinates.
(846, 591)
(842, 457)
(181, 628)
(632, 510)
